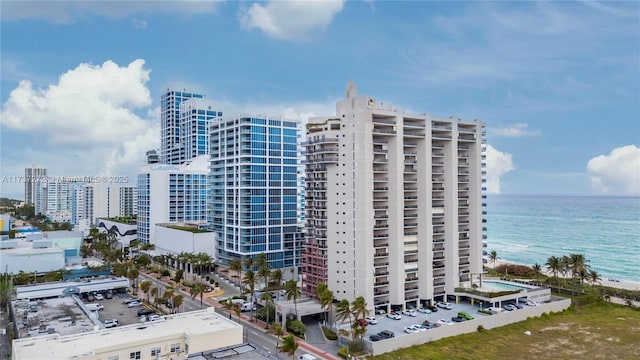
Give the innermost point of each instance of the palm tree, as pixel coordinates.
(320, 289)
(326, 300)
(229, 306)
(277, 330)
(359, 308)
(276, 275)
(177, 301)
(343, 311)
(236, 265)
(537, 268)
(493, 257)
(358, 331)
(145, 286)
(289, 346)
(197, 289)
(292, 290)
(154, 293)
(132, 274)
(554, 265)
(579, 266)
(250, 281)
(249, 262)
(594, 276)
(266, 296)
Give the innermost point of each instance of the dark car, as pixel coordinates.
(375, 337)
(458, 319)
(432, 308)
(145, 311)
(386, 334)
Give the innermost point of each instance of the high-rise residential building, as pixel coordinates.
(254, 190)
(177, 128)
(394, 203)
(195, 116)
(152, 157)
(102, 200)
(60, 194)
(34, 176)
(172, 194)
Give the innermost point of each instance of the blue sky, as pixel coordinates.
(558, 83)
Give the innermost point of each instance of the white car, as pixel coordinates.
(154, 317)
(424, 310)
(394, 316)
(411, 329)
(371, 320)
(98, 296)
(531, 303)
(444, 305)
(109, 323)
(444, 322)
(134, 304)
(410, 312)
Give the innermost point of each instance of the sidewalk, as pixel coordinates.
(246, 319)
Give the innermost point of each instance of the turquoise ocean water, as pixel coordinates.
(530, 229)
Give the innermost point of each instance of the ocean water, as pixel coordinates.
(530, 229)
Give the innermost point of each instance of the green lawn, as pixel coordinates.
(596, 331)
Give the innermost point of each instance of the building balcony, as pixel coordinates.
(380, 283)
(380, 292)
(383, 132)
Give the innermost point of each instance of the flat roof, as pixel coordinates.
(187, 324)
(49, 290)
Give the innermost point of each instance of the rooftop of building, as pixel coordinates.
(194, 227)
(186, 325)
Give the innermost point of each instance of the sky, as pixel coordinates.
(557, 83)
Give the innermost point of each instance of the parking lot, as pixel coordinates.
(115, 309)
(397, 326)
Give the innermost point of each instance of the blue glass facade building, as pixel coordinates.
(254, 180)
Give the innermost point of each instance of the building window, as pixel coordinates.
(175, 348)
(155, 352)
(134, 355)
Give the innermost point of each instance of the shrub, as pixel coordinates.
(165, 272)
(329, 334)
(296, 327)
(342, 352)
(481, 328)
(484, 311)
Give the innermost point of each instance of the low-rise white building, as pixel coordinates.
(39, 252)
(174, 338)
(174, 238)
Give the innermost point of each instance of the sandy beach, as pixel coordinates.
(622, 284)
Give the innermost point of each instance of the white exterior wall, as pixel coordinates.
(175, 241)
(30, 260)
(422, 174)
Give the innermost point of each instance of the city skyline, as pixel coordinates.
(556, 83)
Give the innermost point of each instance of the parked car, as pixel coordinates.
(154, 317)
(375, 337)
(145, 311)
(510, 307)
(411, 329)
(109, 323)
(380, 312)
(98, 296)
(424, 310)
(94, 307)
(531, 303)
(444, 305)
(465, 315)
(394, 316)
(444, 322)
(128, 300)
(519, 306)
(362, 322)
(432, 308)
(410, 312)
(458, 319)
(386, 334)
(371, 320)
(108, 295)
(134, 304)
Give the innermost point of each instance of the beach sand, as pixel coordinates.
(622, 284)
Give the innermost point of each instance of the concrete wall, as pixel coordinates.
(488, 322)
(177, 241)
(32, 260)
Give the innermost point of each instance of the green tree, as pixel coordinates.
(493, 257)
(537, 269)
(554, 265)
(289, 346)
(236, 265)
(343, 311)
(326, 301)
(176, 301)
(292, 290)
(278, 331)
(250, 281)
(133, 274)
(267, 302)
(276, 275)
(154, 293)
(6, 290)
(198, 289)
(359, 308)
(594, 276)
(145, 286)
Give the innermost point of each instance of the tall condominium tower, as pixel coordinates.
(60, 194)
(254, 190)
(170, 148)
(34, 176)
(172, 193)
(100, 200)
(393, 203)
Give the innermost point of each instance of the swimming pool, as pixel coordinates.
(489, 285)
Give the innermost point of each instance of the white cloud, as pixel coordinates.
(514, 130)
(289, 20)
(616, 173)
(87, 120)
(498, 164)
(67, 12)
